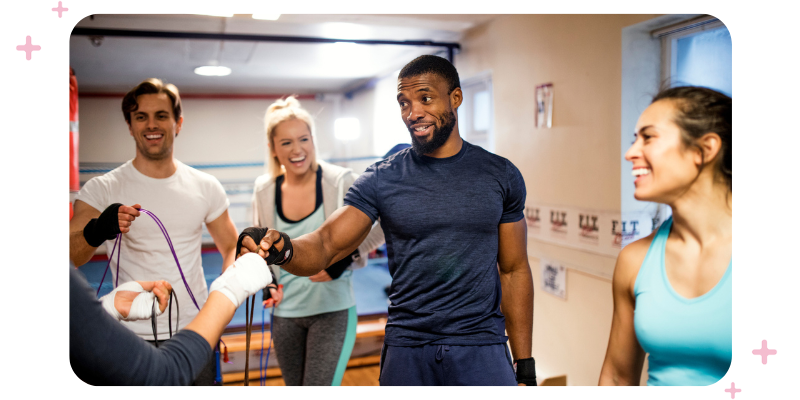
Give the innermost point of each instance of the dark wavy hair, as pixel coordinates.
(701, 110)
(151, 86)
(428, 64)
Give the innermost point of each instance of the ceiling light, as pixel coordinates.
(218, 14)
(346, 128)
(212, 70)
(267, 16)
(345, 30)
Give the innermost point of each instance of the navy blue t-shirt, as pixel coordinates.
(440, 217)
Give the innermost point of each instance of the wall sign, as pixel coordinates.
(554, 278)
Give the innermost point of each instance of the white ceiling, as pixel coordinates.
(119, 63)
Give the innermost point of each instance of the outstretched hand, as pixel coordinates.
(250, 246)
(124, 298)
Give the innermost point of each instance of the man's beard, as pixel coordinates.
(438, 138)
(162, 153)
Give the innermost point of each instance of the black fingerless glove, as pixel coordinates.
(255, 233)
(526, 371)
(105, 227)
(275, 257)
(266, 294)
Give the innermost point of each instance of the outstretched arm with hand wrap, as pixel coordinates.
(338, 236)
(244, 278)
(103, 352)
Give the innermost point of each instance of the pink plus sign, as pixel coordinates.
(60, 9)
(764, 352)
(28, 48)
(733, 390)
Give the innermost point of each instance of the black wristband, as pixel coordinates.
(104, 227)
(526, 371)
(283, 256)
(337, 269)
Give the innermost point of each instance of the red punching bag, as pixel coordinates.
(74, 183)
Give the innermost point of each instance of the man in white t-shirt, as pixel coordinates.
(182, 198)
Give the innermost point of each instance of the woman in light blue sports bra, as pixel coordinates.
(672, 289)
(314, 326)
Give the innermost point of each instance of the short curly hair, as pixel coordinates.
(428, 64)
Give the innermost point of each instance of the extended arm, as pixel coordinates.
(356, 260)
(624, 356)
(212, 319)
(517, 286)
(80, 251)
(224, 234)
(338, 236)
(104, 352)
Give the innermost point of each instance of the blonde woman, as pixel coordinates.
(315, 317)
(672, 289)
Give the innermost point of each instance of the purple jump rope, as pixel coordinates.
(118, 243)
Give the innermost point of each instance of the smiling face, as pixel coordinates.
(428, 110)
(664, 167)
(293, 145)
(153, 126)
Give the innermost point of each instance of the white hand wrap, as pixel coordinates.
(141, 308)
(244, 278)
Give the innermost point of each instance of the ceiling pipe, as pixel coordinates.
(450, 46)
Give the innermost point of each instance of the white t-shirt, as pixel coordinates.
(182, 202)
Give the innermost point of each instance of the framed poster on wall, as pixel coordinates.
(544, 105)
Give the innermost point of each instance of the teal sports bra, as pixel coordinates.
(688, 341)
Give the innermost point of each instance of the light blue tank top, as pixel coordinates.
(301, 297)
(688, 340)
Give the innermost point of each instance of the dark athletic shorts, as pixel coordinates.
(447, 365)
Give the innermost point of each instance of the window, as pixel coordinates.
(697, 53)
(475, 116)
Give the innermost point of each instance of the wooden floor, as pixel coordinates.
(353, 376)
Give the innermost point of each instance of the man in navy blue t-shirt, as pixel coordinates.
(455, 233)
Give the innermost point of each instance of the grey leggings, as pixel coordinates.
(313, 351)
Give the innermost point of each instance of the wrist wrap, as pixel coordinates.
(337, 269)
(276, 257)
(105, 227)
(141, 308)
(526, 371)
(244, 278)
